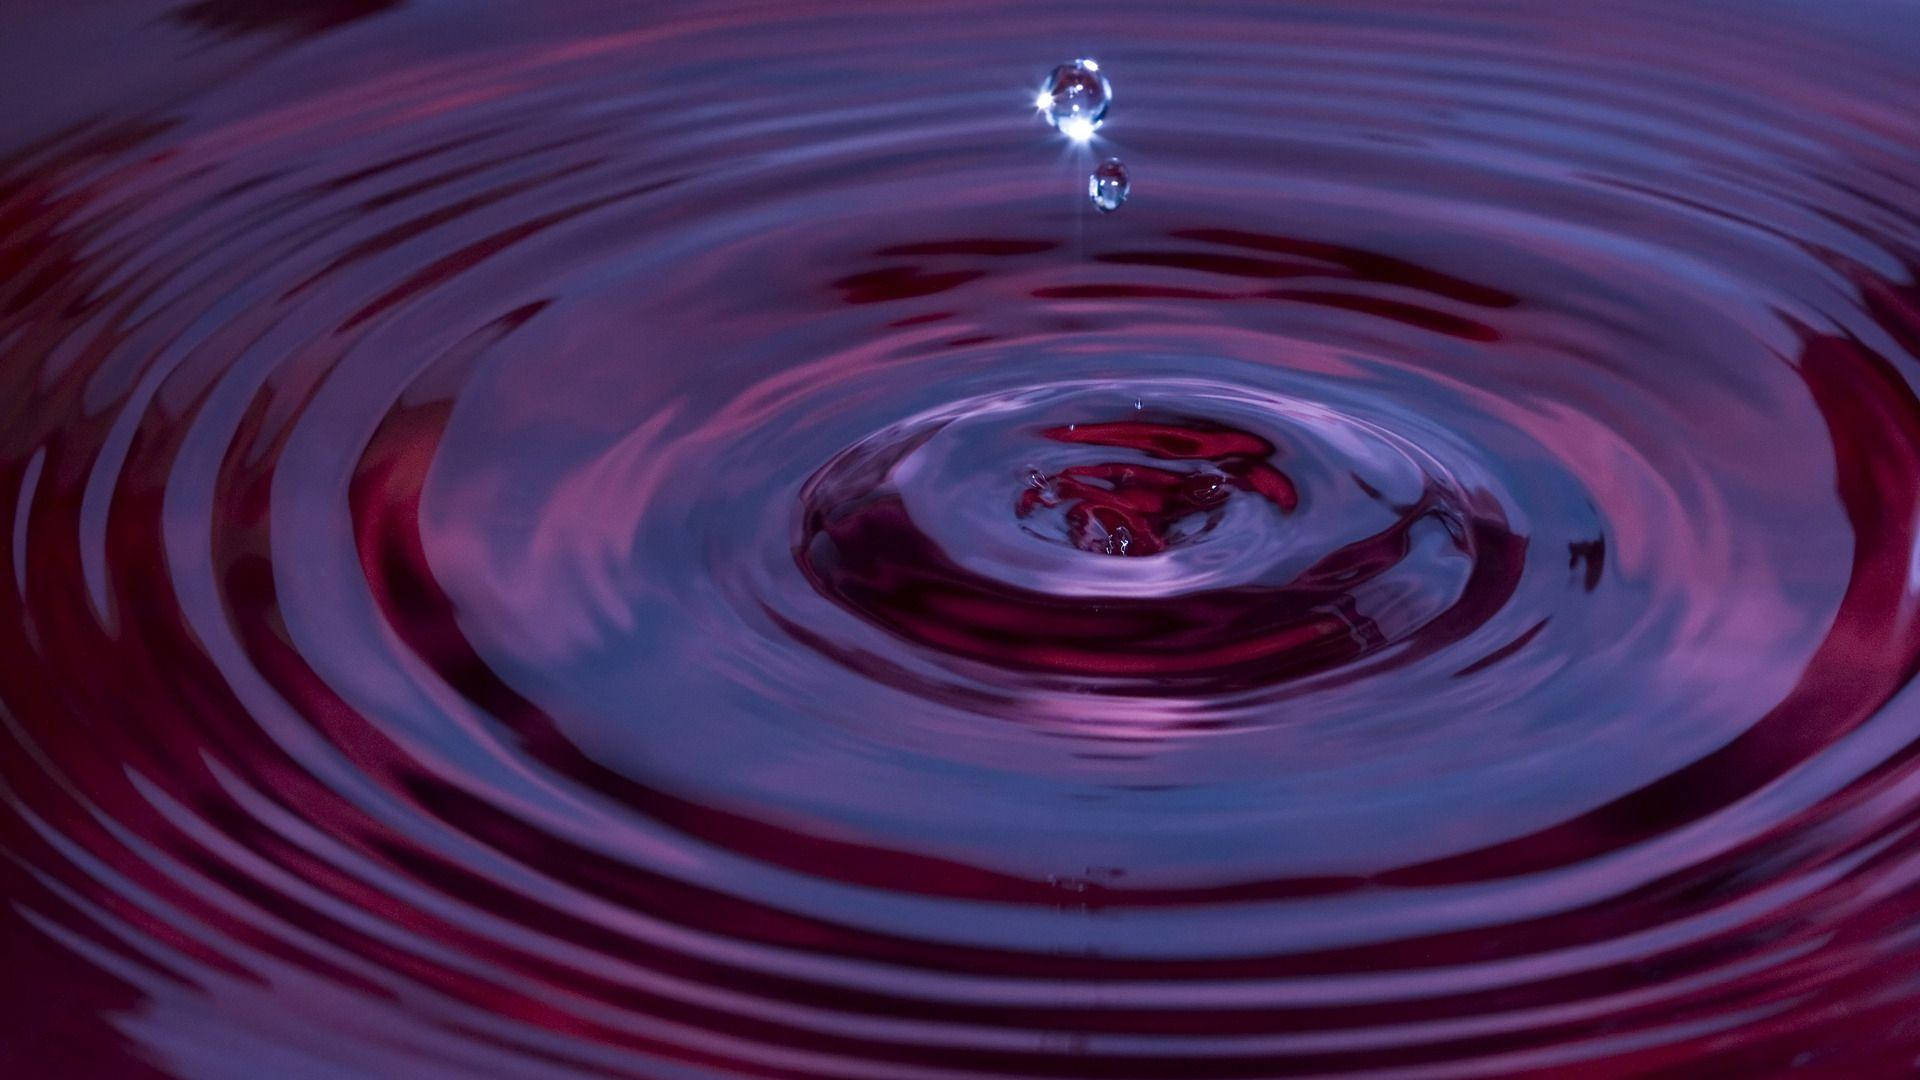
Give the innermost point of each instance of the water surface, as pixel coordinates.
(673, 541)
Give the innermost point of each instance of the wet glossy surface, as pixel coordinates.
(680, 544)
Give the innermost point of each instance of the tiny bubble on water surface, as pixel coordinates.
(1108, 185)
(1075, 98)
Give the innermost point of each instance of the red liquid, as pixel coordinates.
(674, 543)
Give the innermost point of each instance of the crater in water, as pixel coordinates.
(1235, 576)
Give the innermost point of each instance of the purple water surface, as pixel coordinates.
(670, 540)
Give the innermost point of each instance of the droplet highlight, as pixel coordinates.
(1075, 99)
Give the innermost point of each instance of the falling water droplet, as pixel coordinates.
(1075, 99)
(1108, 185)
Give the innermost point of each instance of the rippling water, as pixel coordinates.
(673, 541)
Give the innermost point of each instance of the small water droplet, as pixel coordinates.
(1108, 185)
(1040, 492)
(1074, 99)
(1206, 490)
(1138, 404)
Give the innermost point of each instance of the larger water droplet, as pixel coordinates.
(1108, 185)
(1075, 99)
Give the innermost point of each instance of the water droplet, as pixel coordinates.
(1205, 489)
(1108, 185)
(1119, 541)
(1138, 404)
(1075, 99)
(1040, 492)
